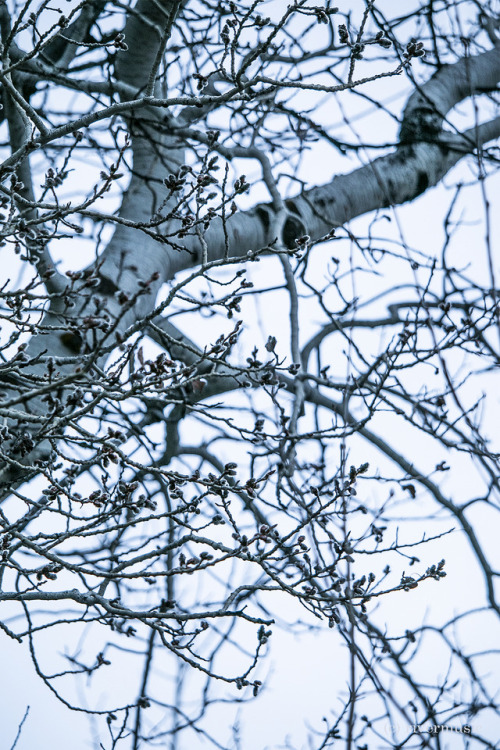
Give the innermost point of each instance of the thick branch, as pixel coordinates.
(454, 83)
(390, 180)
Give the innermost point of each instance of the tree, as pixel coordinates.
(226, 398)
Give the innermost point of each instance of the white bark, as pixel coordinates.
(132, 255)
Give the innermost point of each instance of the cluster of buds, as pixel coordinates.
(358, 47)
(413, 49)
